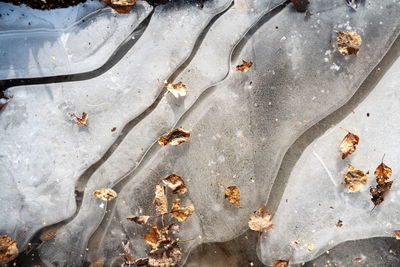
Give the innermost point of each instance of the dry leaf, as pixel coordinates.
(349, 144)
(121, 6)
(357, 259)
(397, 234)
(339, 223)
(139, 219)
(245, 66)
(382, 173)
(174, 137)
(8, 248)
(346, 42)
(81, 121)
(260, 221)
(177, 89)
(160, 200)
(106, 194)
(181, 213)
(281, 263)
(47, 235)
(175, 183)
(232, 194)
(378, 193)
(354, 178)
(300, 5)
(155, 237)
(167, 256)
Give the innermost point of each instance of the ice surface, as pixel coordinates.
(37, 43)
(314, 186)
(242, 123)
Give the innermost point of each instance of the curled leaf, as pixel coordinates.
(160, 200)
(378, 193)
(177, 89)
(339, 223)
(397, 234)
(354, 178)
(281, 263)
(174, 137)
(139, 219)
(382, 173)
(156, 237)
(121, 6)
(169, 255)
(300, 5)
(175, 183)
(349, 144)
(106, 194)
(260, 221)
(245, 66)
(346, 42)
(232, 194)
(80, 121)
(181, 213)
(8, 248)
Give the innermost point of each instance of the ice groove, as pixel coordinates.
(117, 55)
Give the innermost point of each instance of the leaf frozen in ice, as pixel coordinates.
(82, 121)
(160, 200)
(349, 144)
(175, 183)
(232, 194)
(139, 219)
(174, 137)
(347, 41)
(177, 89)
(181, 213)
(106, 194)
(260, 221)
(245, 66)
(354, 178)
(8, 248)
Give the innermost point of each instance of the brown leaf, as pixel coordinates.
(175, 183)
(169, 255)
(339, 223)
(8, 248)
(81, 121)
(106, 194)
(300, 5)
(232, 194)
(354, 178)
(174, 137)
(155, 237)
(181, 213)
(358, 259)
(397, 234)
(281, 263)
(245, 66)
(139, 219)
(177, 89)
(382, 173)
(349, 144)
(48, 234)
(121, 6)
(378, 193)
(160, 200)
(260, 221)
(346, 41)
